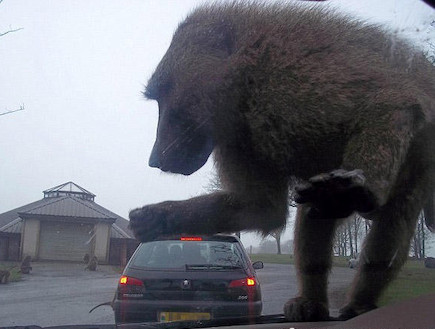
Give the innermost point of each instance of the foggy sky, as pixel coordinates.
(79, 67)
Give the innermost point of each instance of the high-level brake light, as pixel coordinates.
(191, 238)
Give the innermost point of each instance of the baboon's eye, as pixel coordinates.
(165, 88)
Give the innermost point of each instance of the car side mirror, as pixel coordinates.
(258, 265)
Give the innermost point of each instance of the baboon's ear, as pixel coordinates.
(216, 36)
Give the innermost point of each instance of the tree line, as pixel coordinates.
(349, 239)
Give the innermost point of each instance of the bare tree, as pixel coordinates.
(355, 232)
(341, 241)
(348, 236)
(266, 247)
(12, 111)
(10, 29)
(419, 241)
(2, 34)
(276, 234)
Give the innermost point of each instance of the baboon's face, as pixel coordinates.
(183, 85)
(183, 143)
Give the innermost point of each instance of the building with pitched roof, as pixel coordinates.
(64, 226)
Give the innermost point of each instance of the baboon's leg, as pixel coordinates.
(385, 252)
(313, 250)
(387, 245)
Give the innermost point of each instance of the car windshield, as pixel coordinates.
(190, 255)
(290, 143)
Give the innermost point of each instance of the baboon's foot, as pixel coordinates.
(336, 194)
(303, 309)
(148, 222)
(351, 310)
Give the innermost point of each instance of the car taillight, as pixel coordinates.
(129, 281)
(129, 287)
(246, 282)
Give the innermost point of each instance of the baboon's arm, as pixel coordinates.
(209, 214)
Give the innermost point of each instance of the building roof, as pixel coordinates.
(68, 206)
(70, 202)
(69, 188)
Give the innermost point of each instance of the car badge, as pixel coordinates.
(186, 284)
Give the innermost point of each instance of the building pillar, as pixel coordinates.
(30, 238)
(102, 239)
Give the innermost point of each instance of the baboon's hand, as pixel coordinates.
(148, 222)
(336, 194)
(352, 310)
(303, 309)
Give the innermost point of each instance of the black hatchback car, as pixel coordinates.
(188, 278)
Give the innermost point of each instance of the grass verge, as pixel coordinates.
(15, 274)
(413, 280)
(288, 259)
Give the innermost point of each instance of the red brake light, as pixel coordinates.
(250, 282)
(126, 280)
(191, 238)
(247, 282)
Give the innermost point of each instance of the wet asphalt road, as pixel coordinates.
(278, 284)
(58, 294)
(63, 293)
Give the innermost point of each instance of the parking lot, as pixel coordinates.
(63, 293)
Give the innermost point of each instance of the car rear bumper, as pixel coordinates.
(127, 311)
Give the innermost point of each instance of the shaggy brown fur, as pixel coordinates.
(282, 92)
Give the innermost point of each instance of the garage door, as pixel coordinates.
(64, 241)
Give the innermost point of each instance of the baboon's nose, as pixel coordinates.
(154, 160)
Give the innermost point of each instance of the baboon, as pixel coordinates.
(25, 267)
(429, 262)
(282, 93)
(4, 276)
(92, 264)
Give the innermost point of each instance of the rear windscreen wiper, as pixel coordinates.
(199, 267)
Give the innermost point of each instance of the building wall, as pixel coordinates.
(27, 243)
(9, 246)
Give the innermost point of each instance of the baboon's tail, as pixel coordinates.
(102, 304)
(429, 213)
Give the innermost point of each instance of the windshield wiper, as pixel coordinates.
(278, 318)
(246, 320)
(199, 267)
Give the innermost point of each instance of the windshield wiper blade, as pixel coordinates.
(211, 267)
(237, 321)
(263, 319)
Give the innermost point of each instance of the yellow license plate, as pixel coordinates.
(183, 316)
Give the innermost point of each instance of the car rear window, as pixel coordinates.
(190, 255)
